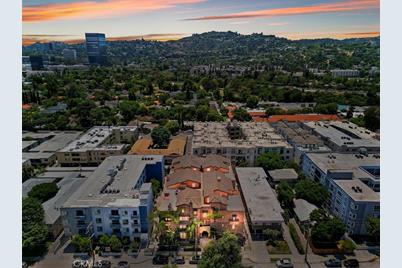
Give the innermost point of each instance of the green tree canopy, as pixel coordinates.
(373, 228)
(328, 232)
(44, 191)
(222, 253)
(372, 118)
(241, 115)
(270, 161)
(285, 194)
(311, 191)
(160, 136)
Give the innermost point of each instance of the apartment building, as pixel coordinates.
(199, 188)
(345, 137)
(99, 142)
(301, 139)
(345, 73)
(262, 207)
(116, 199)
(39, 148)
(240, 142)
(353, 181)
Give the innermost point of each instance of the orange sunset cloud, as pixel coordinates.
(350, 5)
(90, 9)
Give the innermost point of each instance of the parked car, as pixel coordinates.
(351, 263)
(103, 264)
(333, 263)
(179, 260)
(195, 259)
(123, 264)
(284, 263)
(160, 259)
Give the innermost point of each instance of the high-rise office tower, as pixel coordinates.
(36, 62)
(96, 48)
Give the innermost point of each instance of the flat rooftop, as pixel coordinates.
(215, 134)
(357, 190)
(283, 174)
(67, 187)
(59, 141)
(344, 133)
(343, 161)
(94, 139)
(297, 135)
(113, 182)
(261, 201)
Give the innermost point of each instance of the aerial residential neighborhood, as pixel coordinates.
(216, 148)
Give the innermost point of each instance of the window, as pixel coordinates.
(99, 229)
(80, 222)
(376, 208)
(79, 213)
(135, 221)
(136, 230)
(135, 212)
(125, 212)
(125, 222)
(115, 222)
(98, 220)
(115, 212)
(98, 211)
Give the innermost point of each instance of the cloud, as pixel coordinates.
(278, 24)
(29, 39)
(239, 22)
(349, 5)
(335, 35)
(91, 9)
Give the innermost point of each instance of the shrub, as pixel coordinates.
(44, 191)
(296, 238)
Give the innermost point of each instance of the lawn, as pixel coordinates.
(281, 247)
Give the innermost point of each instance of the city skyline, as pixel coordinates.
(68, 20)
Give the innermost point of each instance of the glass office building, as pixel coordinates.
(96, 48)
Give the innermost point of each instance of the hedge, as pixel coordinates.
(296, 238)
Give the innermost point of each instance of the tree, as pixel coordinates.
(172, 126)
(346, 246)
(160, 136)
(373, 228)
(104, 241)
(115, 243)
(32, 213)
(311, 191)
(241, 115)
(285, 194)
(222, 253)
(156, 186)
(330, 108)
(34, 240)
(252, 101)
(318, 215)
(272, 235)
(372, 118)
(328, 232)
(82, 244)
(128, 109)
(270, 161)
(44, 191)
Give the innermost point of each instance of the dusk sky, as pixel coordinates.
(171, 19)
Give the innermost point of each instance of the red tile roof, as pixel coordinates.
(298, 118)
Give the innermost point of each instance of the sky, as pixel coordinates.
(68, 20)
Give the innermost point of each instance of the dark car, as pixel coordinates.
(351, 263)
(333, 263)
(123, 264)
(160, 259)
(179, 260)
(195, 259)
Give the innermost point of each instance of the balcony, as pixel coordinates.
(115, 225)
(114, 216)
(135, 216)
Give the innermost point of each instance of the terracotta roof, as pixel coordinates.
(26, 106)
(298, 118)
(257, 114)
(189, 161)
(176, 147)
(183, 175)
(184, 197)
(216, 181)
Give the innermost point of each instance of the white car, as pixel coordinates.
(284, 263)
